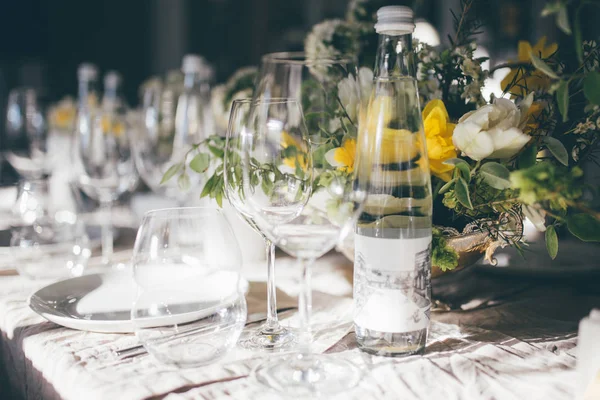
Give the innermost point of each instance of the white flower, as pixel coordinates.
(239, 86)
(317, 44)
(320, 44)
(494, 130)
(536, 215)
(348, 92)
(470, 68)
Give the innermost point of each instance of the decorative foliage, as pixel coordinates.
(490, 158)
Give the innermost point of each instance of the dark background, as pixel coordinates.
(43, 41)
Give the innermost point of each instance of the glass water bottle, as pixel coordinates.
(392, 267)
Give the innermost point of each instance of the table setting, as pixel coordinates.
(357, 220)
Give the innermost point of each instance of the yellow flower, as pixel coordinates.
(535, 80)
(114, 127)
(343, 157)
(438, 134)
(394, 145)
(288, 141)
(62, 115)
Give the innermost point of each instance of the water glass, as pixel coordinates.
(50, 250)
(189, 309)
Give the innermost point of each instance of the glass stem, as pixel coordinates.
(305, 306)
(107, 233)
(272, 323)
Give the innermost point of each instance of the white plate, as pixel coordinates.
(102, 303)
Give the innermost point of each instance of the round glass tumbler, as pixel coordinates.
(190, 307)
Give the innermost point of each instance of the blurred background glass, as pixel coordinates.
(47, 240)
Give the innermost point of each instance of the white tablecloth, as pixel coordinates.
(523, 348)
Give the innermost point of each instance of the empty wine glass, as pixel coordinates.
(306, 221)
(190, 307)
(172, 121)
(26, 133)
(106, 165)
(271, 335)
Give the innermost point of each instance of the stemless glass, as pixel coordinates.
(271, 335)
(106, 166)
(190, 307)
(37, 199)
(26, 133)
(47, 240)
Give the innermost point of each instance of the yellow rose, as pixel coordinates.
(112, 126)
(287, 141)
(522, 83)
(343, 157)
(438, 134)
(395, 145)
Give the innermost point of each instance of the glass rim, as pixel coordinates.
(263, 100)
(301, 58)
(181, 211)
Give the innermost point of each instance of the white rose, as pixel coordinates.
(494, 130)
(348, 92)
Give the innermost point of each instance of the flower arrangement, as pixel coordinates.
(493, 161)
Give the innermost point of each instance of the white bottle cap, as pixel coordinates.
(395, 20)
(87, 72)
(112, 79)
(192, 64)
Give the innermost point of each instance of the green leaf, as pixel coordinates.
(216, 151)
(183, 182)
(219, 198)
(551, 241)
(528, 157)
(462, 193)
(446, 186)
(585, 227)
(266, 184)
(562, 20)
(562, 98)
(200, 162)
(539, 64)
(174, 169)
(496, 175)
(591, 87)
(462, 165)
(557, 149)
(208, 186)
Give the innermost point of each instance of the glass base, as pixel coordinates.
(390, 344)
(265, 338)
(310, 375)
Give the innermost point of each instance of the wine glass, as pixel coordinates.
(190, 307)
(26, 133)
(271, 335)
(329, 90)
(106, 167)
(156, 147)
(305, 221)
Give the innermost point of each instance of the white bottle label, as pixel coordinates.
(392, 291)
